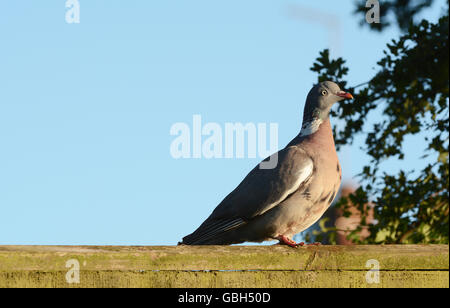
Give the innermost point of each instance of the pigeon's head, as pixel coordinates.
(321, 97)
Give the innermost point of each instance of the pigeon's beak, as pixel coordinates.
(344, 94)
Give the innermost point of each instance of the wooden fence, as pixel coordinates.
(225, 266)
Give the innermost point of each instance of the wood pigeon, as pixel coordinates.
(280, 202)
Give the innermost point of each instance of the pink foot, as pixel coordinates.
(287, 241)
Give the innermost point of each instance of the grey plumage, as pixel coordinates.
(280, 202)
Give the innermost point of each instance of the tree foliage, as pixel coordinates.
(410, 91)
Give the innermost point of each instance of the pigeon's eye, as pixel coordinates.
(324, 92)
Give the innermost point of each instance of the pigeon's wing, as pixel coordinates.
(261, 190)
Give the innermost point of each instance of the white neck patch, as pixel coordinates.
(310, 127)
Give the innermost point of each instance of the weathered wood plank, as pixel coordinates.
(244, 279)
(392, 257)
(225, 266)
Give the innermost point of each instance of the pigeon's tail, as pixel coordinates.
(213, 232)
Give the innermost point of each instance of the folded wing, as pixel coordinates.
(260, 191)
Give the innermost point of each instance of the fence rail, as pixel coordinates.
(225, 266)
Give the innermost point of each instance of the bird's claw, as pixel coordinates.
(284, 240)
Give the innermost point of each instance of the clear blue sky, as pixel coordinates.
(86, 109)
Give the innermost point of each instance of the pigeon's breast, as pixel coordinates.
(309, 203)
